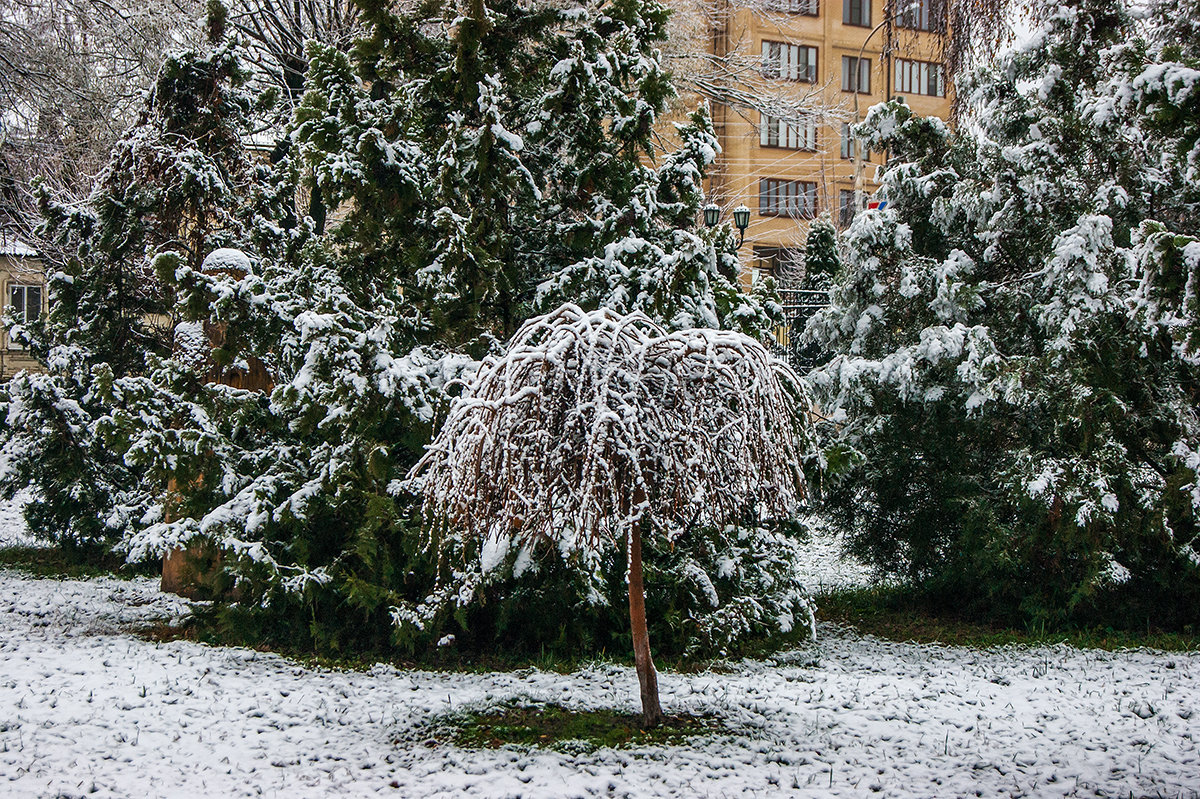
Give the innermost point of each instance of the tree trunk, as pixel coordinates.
(652, 714)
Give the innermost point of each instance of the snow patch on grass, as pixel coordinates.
(13, 530)
(826, 568)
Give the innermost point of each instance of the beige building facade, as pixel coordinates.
(792, 159)
(23, 287)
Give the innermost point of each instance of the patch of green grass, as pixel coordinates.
(902, 614)
(556, 727)
(54, 563)
(225, 625)
(199, 627)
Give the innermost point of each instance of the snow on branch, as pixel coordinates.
(592, 421)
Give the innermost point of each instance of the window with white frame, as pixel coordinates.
(24, 303)
(789, 61)
(921, 15)
(810, 8)
(856, 70)
(791, 134)
(920, 77)
(850, 144)
(792, 198)
(856, 12)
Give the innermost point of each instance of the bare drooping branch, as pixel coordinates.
(711, 59)
(712, 54)
(72, 75)
(275, 32)
(588, 410)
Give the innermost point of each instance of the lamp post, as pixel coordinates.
(741, 219)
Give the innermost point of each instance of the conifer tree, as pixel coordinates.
(1014, 387)
(468, 163)
(538, 122)
(655, 258)
(180, 180)
(821, 259)
(464, 165)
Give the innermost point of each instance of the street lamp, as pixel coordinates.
(741, 219)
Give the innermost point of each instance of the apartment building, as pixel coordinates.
(821, 64)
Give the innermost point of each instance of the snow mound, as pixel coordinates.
(13, 530)
(226, 259)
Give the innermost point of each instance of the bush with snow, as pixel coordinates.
(481, 168)
(1016, 376)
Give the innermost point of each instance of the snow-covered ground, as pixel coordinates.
(824, 567)
(13, 532)
(88, 709)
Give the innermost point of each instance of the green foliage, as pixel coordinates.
(552, 726)
(492, 161)
(657, 259)
(470, 164)
(913, 614)
(67, 564)
(1016, 380)
(181, 180)
(821, 259)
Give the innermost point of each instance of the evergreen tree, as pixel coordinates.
(655, 260)
(821, 260)
(538, 122)
(473, 162)
(1014, 390)
(180, 180)
(468, 163)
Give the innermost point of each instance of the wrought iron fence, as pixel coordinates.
(798, 307)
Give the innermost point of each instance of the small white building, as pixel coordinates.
(23, 287)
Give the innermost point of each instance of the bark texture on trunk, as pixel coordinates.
(652, 714)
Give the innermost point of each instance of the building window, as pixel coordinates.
(24, 303)
(792, 198)
(920, 77)
(856, 12)
(785, 264)
(811, 8)
(922, 15)
(793, 135)
(789, 61)
(850, 144)
(856, 70)
(846, 208)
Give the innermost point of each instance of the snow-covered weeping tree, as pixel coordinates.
(593, 426)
